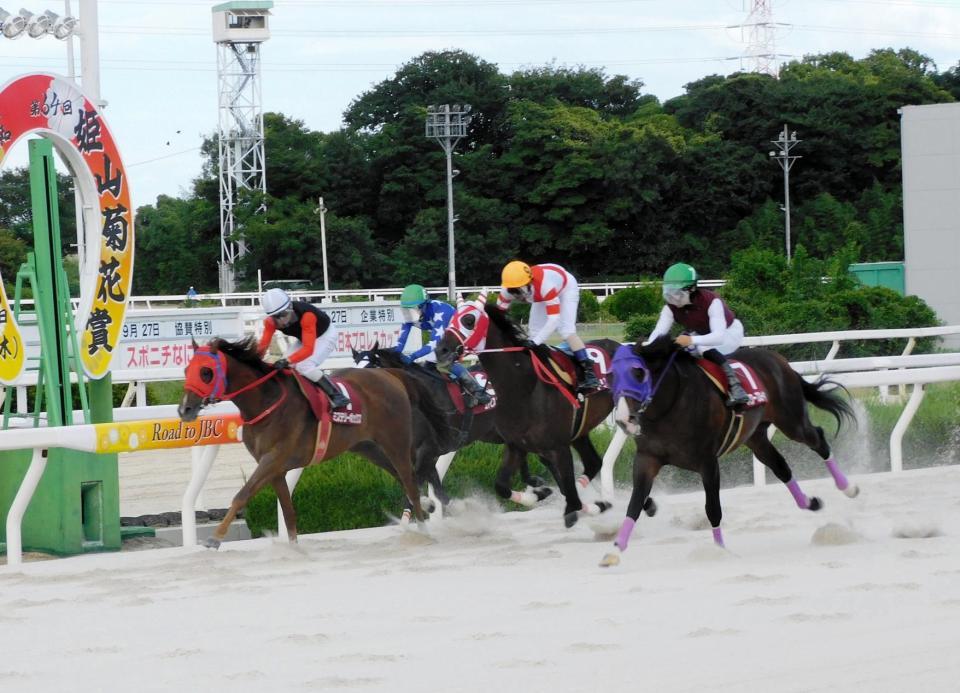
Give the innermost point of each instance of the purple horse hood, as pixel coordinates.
(625, 383)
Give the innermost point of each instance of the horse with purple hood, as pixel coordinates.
(678, 416)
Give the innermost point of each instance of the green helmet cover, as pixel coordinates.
(680, 276)
(413, 296)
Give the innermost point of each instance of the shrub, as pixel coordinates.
(634, 300)
(589, 308)
(639, 326)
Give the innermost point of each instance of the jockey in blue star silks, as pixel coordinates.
(433, 317)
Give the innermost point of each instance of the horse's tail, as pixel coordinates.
(825, 394)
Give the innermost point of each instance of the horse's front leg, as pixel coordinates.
(562, 460)
(645, 470)
(267, 469)
(286, 505)
(514, 459)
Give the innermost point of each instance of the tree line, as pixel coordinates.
(561, 164)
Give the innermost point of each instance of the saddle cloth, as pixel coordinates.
(351, 414)
(456, 394)
(563, 365)
(748, 380)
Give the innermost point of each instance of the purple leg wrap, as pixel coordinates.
(718, 537)
(623, 536)
(838, 476)
(802, 502)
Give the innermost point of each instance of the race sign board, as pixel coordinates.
(361, 325)
(164, 338)
(156, 338)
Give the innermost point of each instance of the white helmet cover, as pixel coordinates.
(274, 301)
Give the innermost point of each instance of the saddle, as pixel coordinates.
(748, 380)
(350, 415)
(565, 368)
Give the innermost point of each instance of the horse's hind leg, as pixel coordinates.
(645, 470)
(814, 438)
(286, 505)
(771, 457)
(591, 460)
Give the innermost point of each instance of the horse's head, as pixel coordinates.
(205, 379)
(371, 356)
(637, 373)
(467, 331)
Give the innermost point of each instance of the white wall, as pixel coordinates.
(930, 141)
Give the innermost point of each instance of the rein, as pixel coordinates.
(221, 383)
(543, 371)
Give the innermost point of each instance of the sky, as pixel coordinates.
(159, 62)
(863, 595)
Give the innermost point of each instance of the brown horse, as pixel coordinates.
(679, 417)
(280, 429)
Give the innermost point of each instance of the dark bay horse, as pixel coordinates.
(280, 429)
(533, 415)
(678, 417)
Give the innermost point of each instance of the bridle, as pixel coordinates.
(625, 383)
(216, 391)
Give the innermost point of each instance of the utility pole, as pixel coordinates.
(447, 124)
(786, 141)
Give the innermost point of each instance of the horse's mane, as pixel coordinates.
(660, 348)
(505, 323)
(243, 350)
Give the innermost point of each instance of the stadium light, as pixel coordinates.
(13, 26)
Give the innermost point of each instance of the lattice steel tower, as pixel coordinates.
(239, 28)
(761, 37)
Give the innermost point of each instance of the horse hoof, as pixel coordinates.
(570, 519)
(212, 543)
(610, 560)
(428, 505)
(650, 507)
(815, 504)
(851, 491)
(542, 492)
(603, 506)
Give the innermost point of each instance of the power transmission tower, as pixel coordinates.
(238, 30)
(761, 37)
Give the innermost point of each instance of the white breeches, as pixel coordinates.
(312, 366)
(569, 300)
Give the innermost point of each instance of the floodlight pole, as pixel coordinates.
(90, 51)
(447, 124)
(322, 211)
(785, 142)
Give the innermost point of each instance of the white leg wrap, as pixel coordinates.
(526, 498)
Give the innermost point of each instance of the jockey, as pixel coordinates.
(715, 330)
(433, 317)
(555, 296)
(315, 337)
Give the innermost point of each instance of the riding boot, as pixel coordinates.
(333, 393)
(738, 397)
(588, 379)
(472, 388)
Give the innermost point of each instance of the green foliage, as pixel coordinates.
(639, 326)
(634, 300)
(568, 165)
(588, 310)
(771, 297)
